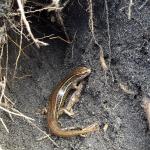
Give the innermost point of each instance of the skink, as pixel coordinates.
(59, 95)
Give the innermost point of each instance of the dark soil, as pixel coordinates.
(102, 99)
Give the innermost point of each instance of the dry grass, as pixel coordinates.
(6, 104)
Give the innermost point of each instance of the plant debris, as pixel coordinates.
(146, 106)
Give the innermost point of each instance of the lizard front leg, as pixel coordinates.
(73, 100)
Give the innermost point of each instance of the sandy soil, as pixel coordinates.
(102, 99)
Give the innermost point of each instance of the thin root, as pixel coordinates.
(4, 125)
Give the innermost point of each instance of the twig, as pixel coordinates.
(56, 3)
(91, 22)
(2, 49)
(143, 4)
(109, 38)
(14, 27)
(17, 113)
(36, 41)
(8, 100)
(39, 39)
(129, 9)
(2, 85)
(4, 125)
(22, 77)
(38, 10)
(58, 37)
(20, 47)
(6, 71)
(17, 45)
(51, 7)
(62, 24)
(73, 44)
(3, 82)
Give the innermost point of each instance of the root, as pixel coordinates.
(143, 4)
(20, 47)
(108, 31)
(91, 23)
(91, 26)
(37, 42)
(146, 107)
(102, 61)
(129, 9)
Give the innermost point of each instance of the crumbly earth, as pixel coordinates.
(102, 99)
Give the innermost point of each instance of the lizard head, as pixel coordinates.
(82, 71)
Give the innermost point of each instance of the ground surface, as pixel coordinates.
(101, 101)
